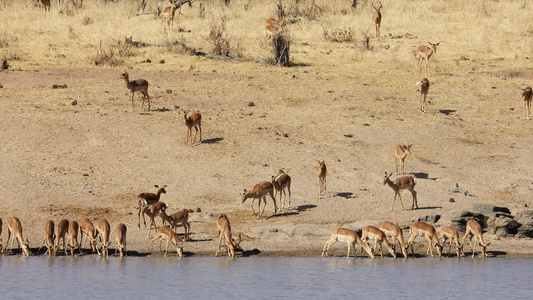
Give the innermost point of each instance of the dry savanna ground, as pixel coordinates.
(345, 101)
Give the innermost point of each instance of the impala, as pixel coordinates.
(422, 228)
(149, 199)
(449, 234)
(402, 183)
(137, 85)
(87, 228)
(49, 237)
(425, 52)
(400, 153)
(527, 94)
(193, 121)
(371, 232)
(224, 232)
(347, 236)
(260, 191)
(72, 234)
(321, 173)
(61, 232)
(169, 235)
(395, 232)
(473, 227)
(277, 23)
(280, 182)
(169, 13)
(120, 239)
(377, 18)
(176, 218)
(14, 231)
(424, 89)
(153, 211)
(272, 32)
(44, 4)
(103, 230)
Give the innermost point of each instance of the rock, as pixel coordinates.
(430, 219)
(502, 225)
(488, 209)
(198, 209)
(525, 218)
(451, 199)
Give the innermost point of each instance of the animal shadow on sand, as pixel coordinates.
(212, 141)
(424, 176)
(447, 111)
(345, 195)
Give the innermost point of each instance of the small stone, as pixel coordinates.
(162, 61)
(251, 104)
(451, 199)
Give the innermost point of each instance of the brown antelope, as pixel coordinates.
(169, 235)
(44, 4)
(224, 233)
(448, 233)
(61, 232)
(138, 85)
(14, 227)
(87, 227)
(473, 227)
(400, 153)
(277, 23)
(169, 13)
(272, 32)
(527, 94)
(72, 240)
(103, 231)
(371, 232)
(347, 236)
(174, 219)
(153, 211)
(260, 191)
(425, 52)
(422, 228)
(321, 173)
(280, 182)
(424, 89)
(49, 237)
(193, 121)
(402, 183)
(146, 199)
(377, 18)
(395, 232)
(120, 239)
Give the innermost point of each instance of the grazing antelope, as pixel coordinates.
(44, 4)
(103, 231)
(371, 232)
(321, 173)
(377, 18)
(174, 219)
(280, 182)
(527, 94)
(72, 240)
(87, 227)
(425, 52)
(424, 89)
(169, 235)
(138, 85)
(145, 199)
(402, 183)
(61, 232)
(193, 121)
(14, 227)
(169, 13)
(224, 232)
(120, 239)
(448, 233)
(347, 236)
(473, 227)
(49, 237)
(395, 232)
(422, 228)
(400, 153)
(260, 191)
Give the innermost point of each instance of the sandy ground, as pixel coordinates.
(92, 159)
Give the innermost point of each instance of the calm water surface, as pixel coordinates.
(91, 277)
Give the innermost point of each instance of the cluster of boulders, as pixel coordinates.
(496, 220)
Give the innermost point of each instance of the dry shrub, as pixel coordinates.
(281, 51)
(339, 35)
(308, 9)
(114, 55)
(219, 37)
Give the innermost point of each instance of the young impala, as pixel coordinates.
(400, 153)
(169, 235)
(402, 183)
(146, 199)
(321, 173)
(193, 121)
(14, 231)
(395, 232)
(449, 234)
(224, 233)
(120, 239)
(424, 90)
(371, 232)
(473, 227)
(527, 94)
(280, 182)
(260, 191)
(103, 231)
(153, 211)
(425, 52)
(61, 232)
(87, 228)
(138, 85)
(180, 217)
(347, 236)
(421, 228)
